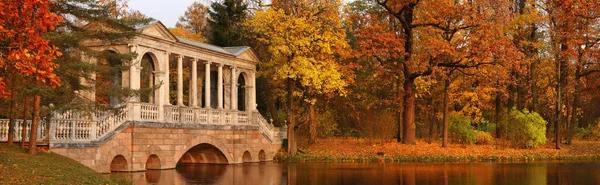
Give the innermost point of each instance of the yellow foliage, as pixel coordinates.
(305, 47)
(187, 34)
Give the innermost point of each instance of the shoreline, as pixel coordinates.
(338, 149)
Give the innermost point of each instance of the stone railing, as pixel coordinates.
(272, 132)
(18, 128)
(73, 127)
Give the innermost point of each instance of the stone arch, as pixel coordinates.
(215, 142)
(242, 91)
(204, 153)
(156, 151)
(148, 67)
(118, 164)
(262, 156)
(112, 153)
(246, 157)
(153, 162)
(153, 54)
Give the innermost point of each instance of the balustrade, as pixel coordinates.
(18, 126)
(187, 115)
(242, 118)
(148, 112)
(215, 116)
(72, 126)
(201, 116)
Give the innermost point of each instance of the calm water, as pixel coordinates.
(566, 173)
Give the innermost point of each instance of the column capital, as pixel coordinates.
(179, 56)
(207, 62)
(220, 64)
(194, 60)
(132, 47)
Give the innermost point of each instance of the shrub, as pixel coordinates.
(591, 132)
(524, 129)
(460, 128)
(484, 138)
(486, 126)
(378, 125)
(327, 124)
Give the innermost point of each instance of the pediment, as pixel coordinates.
(248, 55)
(158, 30)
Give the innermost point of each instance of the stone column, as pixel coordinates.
(160, 101)
(207, 84)
(166, 92)
(252, 91)
(234, 92)
(134, 75)
(220, 87)
(194, 85)
(227, 87)
(180, 80)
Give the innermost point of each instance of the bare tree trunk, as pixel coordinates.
(534, 94)
(497, 116)
(433, 122)
(575, 106)
(313, 124)
(271, 103)
(292, 144)
(11, 121)
(400, 110)
(445, 114)
(558, 98)
(23, 126)
(34, 124)
(409, 112)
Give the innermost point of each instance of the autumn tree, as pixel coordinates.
(461, 35)
(23, 50)
(585, 41)
(194, 19)
(180, 32)
(305, 45)
(75, 69)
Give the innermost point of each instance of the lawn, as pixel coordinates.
(18, 167)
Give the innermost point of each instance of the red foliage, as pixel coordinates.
(23, 50)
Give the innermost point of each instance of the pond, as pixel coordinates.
(270, 173)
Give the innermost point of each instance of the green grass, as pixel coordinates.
(18, 167)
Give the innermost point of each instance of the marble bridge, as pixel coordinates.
(217, 122)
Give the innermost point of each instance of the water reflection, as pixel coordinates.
(370, 173)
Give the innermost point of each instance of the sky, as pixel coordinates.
(166, 11)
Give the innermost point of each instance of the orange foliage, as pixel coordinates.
(23, 50)
(355, 148)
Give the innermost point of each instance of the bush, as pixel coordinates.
(486, 126)
(460, 128)
(524, 129)
(378, 125)
(327, 124)
(591, 132)
(484, 138)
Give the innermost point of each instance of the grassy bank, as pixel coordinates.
(337, 149)
(18, 167)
